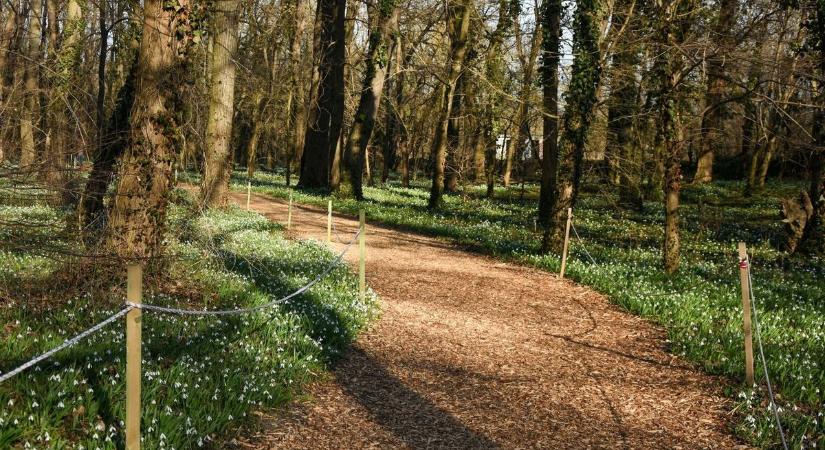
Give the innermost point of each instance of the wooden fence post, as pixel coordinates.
(289, 212)
(134, 293)
(329, 222)
(248, 193)
(744, 269)
(566, 242)
(362, 250)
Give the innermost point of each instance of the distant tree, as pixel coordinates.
(716, 104)
(458, 26)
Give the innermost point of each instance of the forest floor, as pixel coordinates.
(470, 352)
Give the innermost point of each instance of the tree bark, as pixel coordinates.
(218, 159)
(551, 39)
(383, 16)
(138, 217)
(458, 25)
(327, 106)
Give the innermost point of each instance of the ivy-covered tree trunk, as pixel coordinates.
(61, 98)
(218, 158)
(550, 55)
(673, 19)
(713, 121)
(138, 216)
(578, 115)
(327, 106)
(458, 25)
(382, 17)
(298, 89)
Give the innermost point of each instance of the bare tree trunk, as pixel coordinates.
(113, 142)
(218, 159)
(257, 129)
(452, 167)
(138, 217)
(713, 121)
(458, 23)
(29, 141)
(383, 17)
(327, 107)
(7, 45)
(299, 107)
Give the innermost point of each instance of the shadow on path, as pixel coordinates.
(410, 417)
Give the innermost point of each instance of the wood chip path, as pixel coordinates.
(470, 352)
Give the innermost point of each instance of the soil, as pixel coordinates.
(471, 352)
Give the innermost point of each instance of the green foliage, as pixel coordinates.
(201, 376)
(700, 307)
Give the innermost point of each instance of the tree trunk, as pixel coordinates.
(254, 139)
(327, 106)
(138, 217)
(61, 95)
(7, 47)
(382, 17)
(813, 238)
(458, 25)
(297, 86)
(113, 142)
(713, 121)
(579, 100)
(29, 138)
(551, 38)
(395, 83)
(667, 68)
(452, 168)
(218, 159)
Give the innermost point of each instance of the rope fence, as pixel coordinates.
(748, 307)
(134, 306)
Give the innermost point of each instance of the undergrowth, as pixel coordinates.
(201, 375)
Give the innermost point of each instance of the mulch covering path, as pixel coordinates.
(470, 352)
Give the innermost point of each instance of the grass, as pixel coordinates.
(201, 375)
(700, 307)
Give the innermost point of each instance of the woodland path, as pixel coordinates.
(470, 352)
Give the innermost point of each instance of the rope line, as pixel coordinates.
(746, 262)
(579, 239)
(66, 344)
(299, 291)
